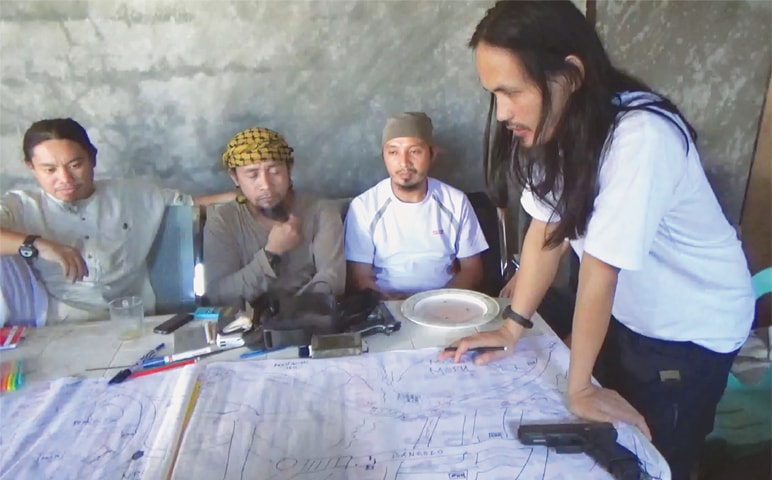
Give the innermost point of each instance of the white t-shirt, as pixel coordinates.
(683, 275)
(113, 229)
(412, 246)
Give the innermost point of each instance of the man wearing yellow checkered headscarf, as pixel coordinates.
(259, 161)
(271, 238)
(256, 145)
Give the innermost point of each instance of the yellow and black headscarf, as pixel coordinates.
(256, 145)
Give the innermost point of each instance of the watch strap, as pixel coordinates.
(510, 314)
(274, 259)
(30, 239)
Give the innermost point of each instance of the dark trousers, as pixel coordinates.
(674, 385)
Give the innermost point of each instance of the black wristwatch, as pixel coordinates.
(274, 259)
(516, 317)
(27, 249)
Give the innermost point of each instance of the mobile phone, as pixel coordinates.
(335, 345)
(173, 323)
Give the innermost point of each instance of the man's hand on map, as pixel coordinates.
(604, 405)
(501, 337)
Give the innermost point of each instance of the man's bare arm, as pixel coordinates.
(360, 276)
(214, 198)
(69, 258)
(10, 241)
(469, 274)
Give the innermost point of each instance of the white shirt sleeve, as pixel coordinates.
(471, 237)
(359, 241)
(638, 177)
(537, 208)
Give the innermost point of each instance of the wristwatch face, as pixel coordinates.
(28, 251)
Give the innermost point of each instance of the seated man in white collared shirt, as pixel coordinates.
(84, 242)
(411, 233)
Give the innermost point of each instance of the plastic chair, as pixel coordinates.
(494, 260)
(739, 445)
(762, 282)
(173, 258)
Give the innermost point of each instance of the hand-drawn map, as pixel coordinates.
(387, 416)
(76, 428)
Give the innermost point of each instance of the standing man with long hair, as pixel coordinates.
(664, 299)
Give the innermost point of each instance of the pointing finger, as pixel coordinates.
(488, 357)
(445, 354)
(463, 346)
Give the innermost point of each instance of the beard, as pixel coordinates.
(411, 187)
(277, 212)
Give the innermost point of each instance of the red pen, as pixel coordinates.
(168, 366)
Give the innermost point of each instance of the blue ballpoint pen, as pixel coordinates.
(255, 353)
(126, 372)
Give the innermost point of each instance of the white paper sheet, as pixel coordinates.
(395, 415)
(82, 428)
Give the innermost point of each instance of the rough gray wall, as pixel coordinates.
(713, 60)
(162, 85)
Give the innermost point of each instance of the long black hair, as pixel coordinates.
(57, 129)
(563, 170)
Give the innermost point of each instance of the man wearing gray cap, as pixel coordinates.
(411, 233)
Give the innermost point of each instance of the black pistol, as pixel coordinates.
(596, 439)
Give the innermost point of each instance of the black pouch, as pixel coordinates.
(288, 320)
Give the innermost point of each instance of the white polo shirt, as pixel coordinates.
(412, 246)
(113, 229)
(683, 275)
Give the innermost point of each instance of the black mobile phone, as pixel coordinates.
(173, 323)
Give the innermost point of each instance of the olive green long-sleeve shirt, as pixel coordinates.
(237, 269)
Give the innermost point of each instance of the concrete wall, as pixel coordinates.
(163, 84)
(713, 60)
(756, 221)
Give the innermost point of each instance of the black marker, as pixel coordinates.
(126, 373)
(479, 349)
